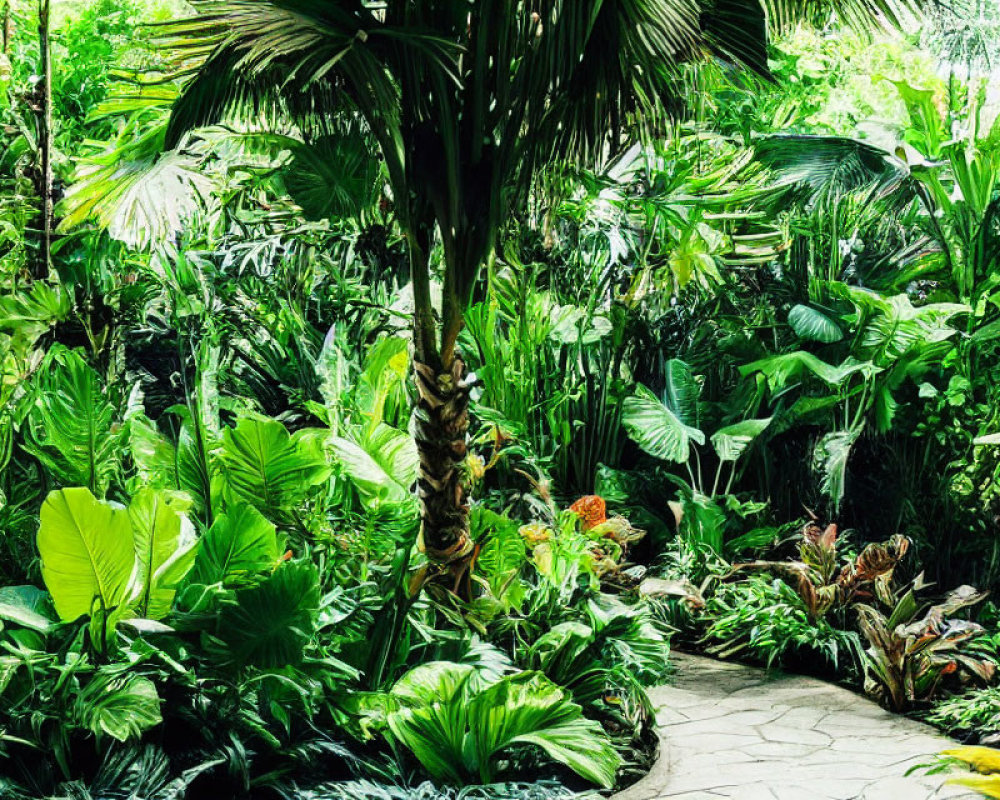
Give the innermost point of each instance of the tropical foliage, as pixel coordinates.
(385, 387)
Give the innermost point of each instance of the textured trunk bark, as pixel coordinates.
(441, 428)
(43, 124)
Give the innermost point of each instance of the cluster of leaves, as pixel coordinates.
(205, 425)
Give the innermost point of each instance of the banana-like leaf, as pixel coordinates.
(88, 553)
(266, 467)
(240, 545)
(812, 324)
(271, 623)
(659, 429)
(732, 441)
(165, 546)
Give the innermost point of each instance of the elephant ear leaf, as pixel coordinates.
(812, 324)
(88, 553)
(732, 441)
(266, 467)
(239, 545)
(659, 428)
(165, 546)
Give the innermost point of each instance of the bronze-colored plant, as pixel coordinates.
(823, 584)
(909, 654)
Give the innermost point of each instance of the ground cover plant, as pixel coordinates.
(386, 387)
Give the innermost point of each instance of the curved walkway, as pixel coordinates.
(733, 731)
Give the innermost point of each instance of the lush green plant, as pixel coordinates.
(107, 562)
(823, 583)
(458, 723)
(974, 714)
(767, 620)
(668, 429)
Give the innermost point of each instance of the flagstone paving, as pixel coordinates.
(728, 730)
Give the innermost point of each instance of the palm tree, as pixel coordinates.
(466, 100)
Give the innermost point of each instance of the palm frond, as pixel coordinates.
(298, 59)
(824, 167)
(860, 15)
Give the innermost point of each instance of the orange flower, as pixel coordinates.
(591, 509)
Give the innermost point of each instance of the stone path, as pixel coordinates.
(733, 731)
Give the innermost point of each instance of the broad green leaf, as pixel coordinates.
(265, 467)
(702, 520)
(71, 426)
(88, 553)
(657, 428)
(780, 370)
(140, 193)
(239, 545)
(432, 682)
(154, 456)
(900, 328)
(830, 460)
(812, 324)
(681, 392)
(383, 465)
(27, 606)
(884, 408)
(122, 708)
(271, 623)
(529, 709)
(165, 546)
(732, 441)
(459, 728)
(162, 465)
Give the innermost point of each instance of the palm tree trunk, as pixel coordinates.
(440, 430)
